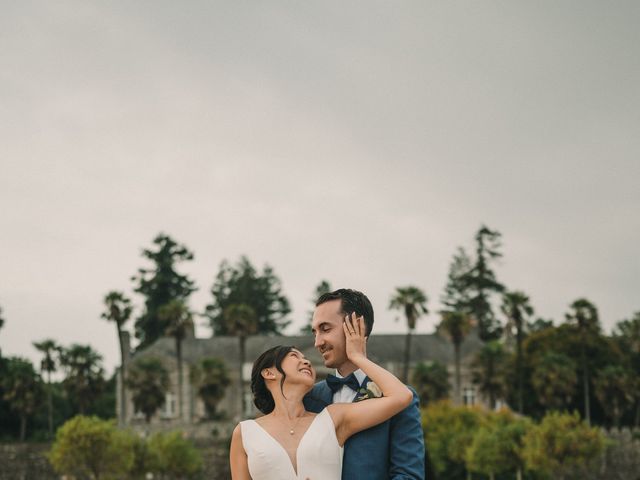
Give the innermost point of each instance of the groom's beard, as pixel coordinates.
(332, 357)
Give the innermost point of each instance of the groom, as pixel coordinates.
(392, 450)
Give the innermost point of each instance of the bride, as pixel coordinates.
(289, 443)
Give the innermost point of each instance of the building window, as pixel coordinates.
(169, 407)
(469, 396)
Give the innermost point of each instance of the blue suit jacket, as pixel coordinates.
(392, 450)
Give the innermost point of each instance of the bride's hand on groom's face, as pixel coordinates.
(356, 342)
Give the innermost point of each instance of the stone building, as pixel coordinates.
(385, 349)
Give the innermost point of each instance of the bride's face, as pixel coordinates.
(298, 369)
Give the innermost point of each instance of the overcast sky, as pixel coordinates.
(358, 142)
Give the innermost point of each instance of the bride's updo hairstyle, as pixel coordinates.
(273, 357)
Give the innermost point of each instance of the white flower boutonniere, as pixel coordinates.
(370, 390)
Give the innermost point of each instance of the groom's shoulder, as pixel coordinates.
(315, 399)
(318, 389)
(321, 383)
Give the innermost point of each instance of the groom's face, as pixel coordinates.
(326, 327)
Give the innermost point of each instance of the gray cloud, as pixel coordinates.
(359, 142)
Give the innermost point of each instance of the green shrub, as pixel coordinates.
(448, 432)
(91, 447)
(173, 456)
(142, 459)
(561, 444)
(497, 444)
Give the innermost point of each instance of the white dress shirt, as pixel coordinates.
(346, 394)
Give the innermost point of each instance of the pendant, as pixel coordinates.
(290, 432)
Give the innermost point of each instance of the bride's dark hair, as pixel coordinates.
(262, 397)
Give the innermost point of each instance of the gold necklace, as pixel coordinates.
(295, 424)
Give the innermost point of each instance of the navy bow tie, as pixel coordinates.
(336, 383)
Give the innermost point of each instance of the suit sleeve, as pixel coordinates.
(313, 401)
(406, 444)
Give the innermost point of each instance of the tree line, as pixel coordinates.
(527, 362)
(245, 300)
(29, 396)
(532, 364)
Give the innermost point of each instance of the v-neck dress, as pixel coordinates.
(319, 456)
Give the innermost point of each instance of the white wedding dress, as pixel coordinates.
(319, 456)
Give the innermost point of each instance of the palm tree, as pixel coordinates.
(240, 320)
(22, 390)
(613, 385)
(211, 378)
(488, 371)
(179, 323)
(431, 381)
(149, 381)
(516, 307)
(413, 302)
(584, 316)
(455, 325)
(554, 380)
(84, 379)
(48, 348)
(118, 310)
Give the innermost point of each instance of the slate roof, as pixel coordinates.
(381, 348)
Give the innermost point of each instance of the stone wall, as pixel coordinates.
(621, 460)
(28, 461)
(25, 461)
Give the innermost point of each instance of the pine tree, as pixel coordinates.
(481, 282)
(160, 285)
(242, 284)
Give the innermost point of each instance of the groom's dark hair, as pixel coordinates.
(351, 301)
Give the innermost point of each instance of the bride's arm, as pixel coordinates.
(351, 418)
(238, 457)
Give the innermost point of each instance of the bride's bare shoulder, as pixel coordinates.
(236, 435)
(238, 456)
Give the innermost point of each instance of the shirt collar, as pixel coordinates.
(360, 375)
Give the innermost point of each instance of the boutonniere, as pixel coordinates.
(370, 390)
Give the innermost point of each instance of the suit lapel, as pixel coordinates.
(364, 384)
